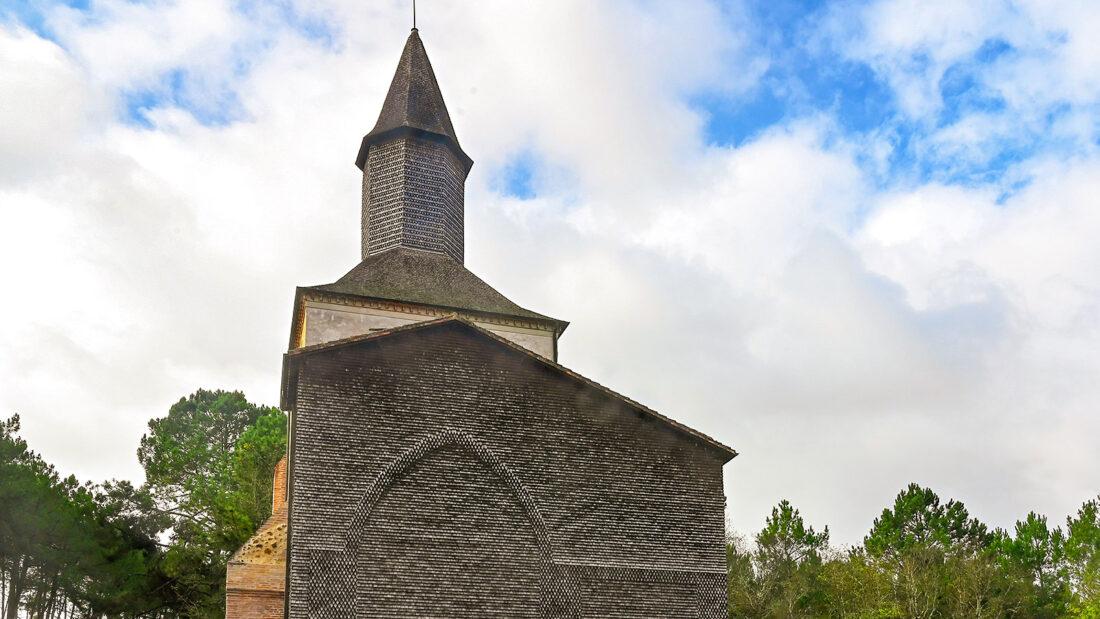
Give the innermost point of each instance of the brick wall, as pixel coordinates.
(435, 462)
(255, 592)
(278, 487)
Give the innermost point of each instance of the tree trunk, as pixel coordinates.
(3, 587)
(34, 605)
(51, 602)
(15, 588)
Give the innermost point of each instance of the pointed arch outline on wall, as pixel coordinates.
(334, 571)
(402, 464)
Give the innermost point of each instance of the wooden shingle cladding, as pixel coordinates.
(415, 439)
(414, 171)
(413, 106)
(413, 197)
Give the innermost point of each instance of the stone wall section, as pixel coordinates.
(628, 514)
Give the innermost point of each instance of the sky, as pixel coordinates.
(856, 241)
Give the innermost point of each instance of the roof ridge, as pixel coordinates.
(403, 65)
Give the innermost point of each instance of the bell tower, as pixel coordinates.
(412, 230)
(414, 171)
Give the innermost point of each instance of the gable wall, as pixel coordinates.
(620, 500)
(328, 322)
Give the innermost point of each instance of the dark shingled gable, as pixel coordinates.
(437, 470)
(292, 358)
(426, 278)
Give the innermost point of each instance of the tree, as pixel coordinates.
(66, 545)
(87, 550)
(980, 586)
(208, 467)
(919, 521)
(1037, 553)
(920, 540)
(257, 452)
(1082, 552)
(778, 578)
(786, 541)
(744, 598)
(855, 586)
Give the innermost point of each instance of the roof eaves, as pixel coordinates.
(560, 325)
(413, 132)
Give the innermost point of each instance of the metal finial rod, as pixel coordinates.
(414, 14)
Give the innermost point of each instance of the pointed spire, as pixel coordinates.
(414, 105)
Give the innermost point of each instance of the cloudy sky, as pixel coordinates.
(856, 241)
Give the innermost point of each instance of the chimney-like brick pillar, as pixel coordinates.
(278, 488)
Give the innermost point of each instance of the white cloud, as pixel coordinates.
(1045, 80)
(46, 105)
(845, 337)
(913, 43)
(130, 45)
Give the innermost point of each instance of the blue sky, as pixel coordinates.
(854, 234)
(809, 73)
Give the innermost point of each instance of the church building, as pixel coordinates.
(441, 462)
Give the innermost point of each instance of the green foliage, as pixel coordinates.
(1082, 553)
(208, 467)
(919, 521)
(94, 551)
(257, 452)
(778, 578)
(854, 586)
(744, 600)
(1037, 554)
(786, 541)
(56, 533)
(787, 560)
(922, 558)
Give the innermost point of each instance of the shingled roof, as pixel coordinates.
(427, 278)
(413, 105)
(292, 358)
